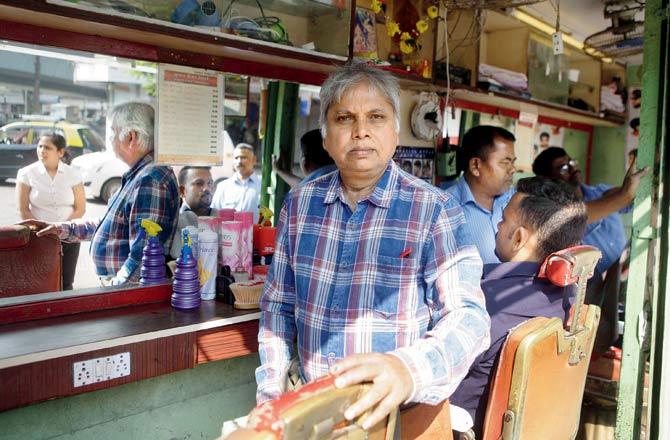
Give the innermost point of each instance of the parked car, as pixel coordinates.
(18, 142)
(102, 173)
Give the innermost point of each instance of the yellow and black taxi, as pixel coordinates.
(18, 141)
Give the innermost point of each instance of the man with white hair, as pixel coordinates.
(242, 191)
(372, 273)
(147, 191)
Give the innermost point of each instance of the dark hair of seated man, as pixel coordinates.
(544, 216)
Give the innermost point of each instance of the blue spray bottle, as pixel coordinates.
(186, 284)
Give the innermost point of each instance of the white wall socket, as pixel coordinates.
(101, 369)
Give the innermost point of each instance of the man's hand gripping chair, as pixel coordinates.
(536, 392)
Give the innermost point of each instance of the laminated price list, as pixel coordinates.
(190, 116)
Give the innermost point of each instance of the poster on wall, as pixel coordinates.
(633, 128)
(365, 35)
(417, 161)
(189, 120)
(547, 136)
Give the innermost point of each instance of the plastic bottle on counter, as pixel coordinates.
(186, 284)
(246, 242)
(208, 244)
(153, 258)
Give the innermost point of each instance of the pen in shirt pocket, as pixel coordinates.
(406, 253)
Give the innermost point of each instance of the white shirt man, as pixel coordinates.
(241, 191)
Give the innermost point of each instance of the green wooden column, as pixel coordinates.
(657, 421)
(645, 295)
(282, 114)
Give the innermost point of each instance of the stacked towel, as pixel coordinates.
(506, 78)
(610, 100)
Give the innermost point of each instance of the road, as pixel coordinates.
(85, 276)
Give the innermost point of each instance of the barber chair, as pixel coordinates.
(538, 385)
(316, 411)
(28, 264)
(536, 392)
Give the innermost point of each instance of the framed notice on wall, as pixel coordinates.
(189, 121)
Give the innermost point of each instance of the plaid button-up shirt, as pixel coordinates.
(147, 191)
(393, 276)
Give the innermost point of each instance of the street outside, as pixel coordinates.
(85, 276)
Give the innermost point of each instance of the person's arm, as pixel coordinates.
(290, 179)
(431, 368)
(616, 199)
(155, 199)
(23, 201)
(71, 231)
(79, 202)
(277, 328)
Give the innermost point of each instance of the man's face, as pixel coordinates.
(197, 189)
(361, 136)
(112, 138)
(567, 170)
(511, 221)
(544, 141)
(243, 162)
(497, 170)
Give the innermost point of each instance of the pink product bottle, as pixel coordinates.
(246, 245)
(229, 244)
(226, 214)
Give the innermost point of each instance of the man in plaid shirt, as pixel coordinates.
(371, 273)
(147, 191)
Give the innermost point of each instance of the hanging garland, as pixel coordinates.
(406, 39)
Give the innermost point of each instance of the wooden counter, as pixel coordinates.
(37, 356)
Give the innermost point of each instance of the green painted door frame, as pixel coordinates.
(645, 295)
(282, 114)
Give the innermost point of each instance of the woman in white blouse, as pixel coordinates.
(52, 191)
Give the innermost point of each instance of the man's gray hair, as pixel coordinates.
(245, 146)
(137, 117)
(351, 75)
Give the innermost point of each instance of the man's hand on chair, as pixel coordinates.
(43, 228)
(391, 384)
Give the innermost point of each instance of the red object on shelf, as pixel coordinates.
(260, 270)
(264, 239)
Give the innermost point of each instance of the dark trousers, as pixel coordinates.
(604, 292)
(70, 256)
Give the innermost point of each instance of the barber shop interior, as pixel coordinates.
(334, 219)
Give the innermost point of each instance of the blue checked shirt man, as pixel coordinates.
(147, 191)
(369, 271)
(486, 158)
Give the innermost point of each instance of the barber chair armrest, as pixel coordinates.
(14, 236)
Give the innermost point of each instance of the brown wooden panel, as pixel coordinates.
(95, 299)
(227, 342)
(39, 381)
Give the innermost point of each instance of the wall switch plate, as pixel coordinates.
(101, 369)
(557, 40)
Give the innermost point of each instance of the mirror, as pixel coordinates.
(77, 90)
(77, 105)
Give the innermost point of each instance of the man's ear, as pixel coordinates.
(520, 237)
(132, 138)
(474, 166)
(182, 190)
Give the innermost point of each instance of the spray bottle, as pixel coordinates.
(153, 258)
(186, 285)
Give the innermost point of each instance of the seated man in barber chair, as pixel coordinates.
(543, 217)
